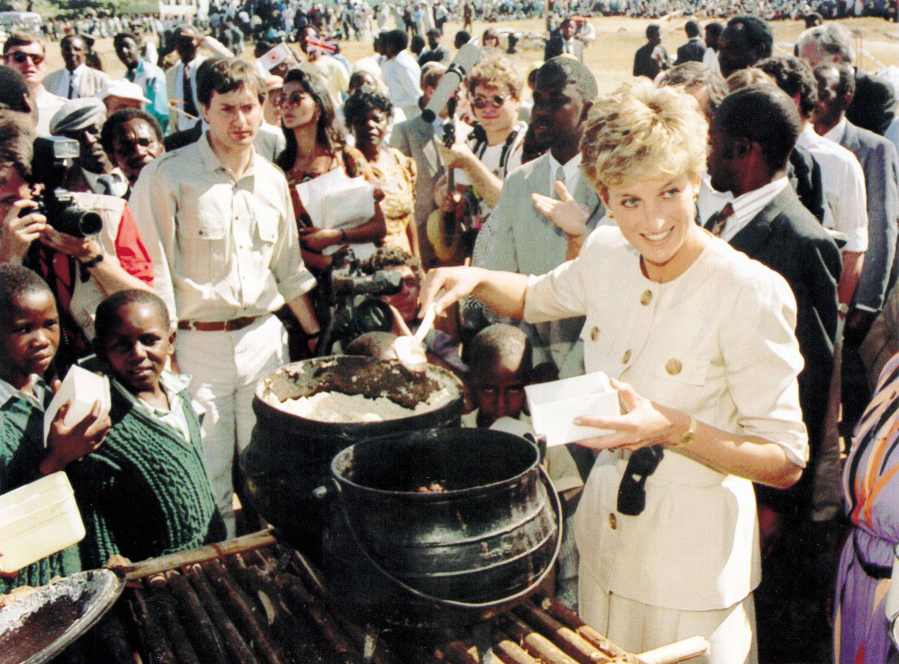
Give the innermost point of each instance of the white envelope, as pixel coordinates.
(82, 388)
(555, 405)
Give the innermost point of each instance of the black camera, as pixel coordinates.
(57, 204)
(65, 215)
(351, 296)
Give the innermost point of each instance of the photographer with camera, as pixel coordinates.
(82, 120)
(86, 246)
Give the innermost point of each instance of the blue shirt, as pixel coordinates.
(152, 80)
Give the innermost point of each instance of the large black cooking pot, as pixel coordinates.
(289, 456)
(439, 528)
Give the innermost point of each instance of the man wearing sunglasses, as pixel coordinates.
(25, 53)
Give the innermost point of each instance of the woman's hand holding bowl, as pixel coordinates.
(643, 423)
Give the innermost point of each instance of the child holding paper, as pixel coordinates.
(29, 339)
(146, 492)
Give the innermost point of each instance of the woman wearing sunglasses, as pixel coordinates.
(315, 146)
(699, 342)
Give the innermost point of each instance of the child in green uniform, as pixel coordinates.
(29, 338)
(145, 493)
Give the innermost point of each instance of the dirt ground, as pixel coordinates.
(611, 55)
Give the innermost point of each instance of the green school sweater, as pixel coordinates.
(144, 492)
(21, 450)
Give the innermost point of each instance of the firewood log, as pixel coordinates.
(508, 651)
(206, 639)
(566, 638)
(111, 640)
(153, 643)
(244, 614)
(167, 611)
(234, 643)
(301, 599)
(533, 642)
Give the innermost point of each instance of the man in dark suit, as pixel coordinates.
(752, 136)
(879, 161)
(651, 58)
(563, 42)
(694, 49)
(874, 104)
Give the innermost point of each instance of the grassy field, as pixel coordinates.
(611, 55)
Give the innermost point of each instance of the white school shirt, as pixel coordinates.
(725, 353)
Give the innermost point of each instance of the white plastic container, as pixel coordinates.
(81, 388)
(554, 406)
(36, 520)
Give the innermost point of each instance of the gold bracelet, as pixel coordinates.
(687, 436)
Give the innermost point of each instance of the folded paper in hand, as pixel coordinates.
(554, 406)
(81, 388)
(334, 200)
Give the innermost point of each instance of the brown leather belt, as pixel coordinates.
(219, 325)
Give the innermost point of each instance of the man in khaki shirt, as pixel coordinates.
(218, 222)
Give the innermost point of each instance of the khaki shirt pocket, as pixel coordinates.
(203, 244)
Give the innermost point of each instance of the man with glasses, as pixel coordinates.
(25, 53)
(76, 79)
(494, 146)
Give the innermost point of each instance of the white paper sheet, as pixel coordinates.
(334, 200)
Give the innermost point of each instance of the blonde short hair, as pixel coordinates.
(748, 78)
(642, 131)
(496, 72)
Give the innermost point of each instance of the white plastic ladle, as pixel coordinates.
(411, 350)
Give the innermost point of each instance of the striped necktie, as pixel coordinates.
(716, 223)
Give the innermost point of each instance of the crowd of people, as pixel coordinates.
(718, 235)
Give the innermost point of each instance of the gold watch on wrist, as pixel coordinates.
(687, 436)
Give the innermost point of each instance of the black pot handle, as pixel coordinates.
(557, 504)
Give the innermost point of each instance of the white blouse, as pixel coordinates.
(718, 342)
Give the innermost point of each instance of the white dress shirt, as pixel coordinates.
(402, 75)
(837, 132)
(745, 206)
(185, 122)
(221, 248)
(62, 87)
(710, 60)
(844, 187)
(571, 168)
(47, 105)
(727, 355)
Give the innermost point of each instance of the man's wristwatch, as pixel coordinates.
(843, 309)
